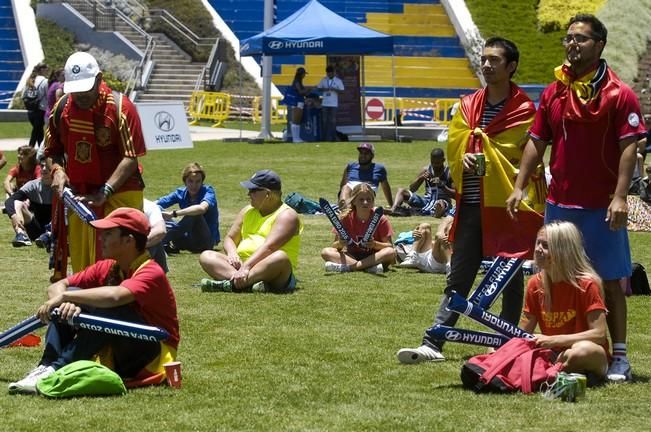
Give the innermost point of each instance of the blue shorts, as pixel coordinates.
(416, 201)
(608, 250)
(289, 287)
(427, 206)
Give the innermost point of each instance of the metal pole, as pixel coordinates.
(265, 124)
(395, 105)
(363, 98)
(240, 98)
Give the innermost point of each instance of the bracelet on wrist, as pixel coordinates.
(108, 190)
(174, 214)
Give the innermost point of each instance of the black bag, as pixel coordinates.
(30, 98)
(639, 280)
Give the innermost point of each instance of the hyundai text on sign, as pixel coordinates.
(164, 125)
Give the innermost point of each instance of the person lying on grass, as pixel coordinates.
(566, 301)
(372, 256)
(430, 255)
(261, 248)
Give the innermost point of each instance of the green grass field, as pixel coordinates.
(320, 359)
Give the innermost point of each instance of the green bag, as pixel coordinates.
(302, 204)
(81, 378)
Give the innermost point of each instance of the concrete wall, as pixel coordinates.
(13, 115)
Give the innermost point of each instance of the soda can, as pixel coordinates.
(581, 385)
(569, 385)
(480, 164)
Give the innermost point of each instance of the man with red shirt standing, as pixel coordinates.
(93, 140)
(128, 286)
(592, 121)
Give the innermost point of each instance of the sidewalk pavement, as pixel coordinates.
(197, 133)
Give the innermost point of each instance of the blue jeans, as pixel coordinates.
(329, 123)
(157, 253)
(65, 344)
(190, 233)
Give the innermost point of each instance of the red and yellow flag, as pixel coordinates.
(502, 143)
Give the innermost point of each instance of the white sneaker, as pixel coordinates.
(259, 287)
(619, 370)
(28, 384)
(376, 269)
(421, 354)
(333, 267)
(410, 261)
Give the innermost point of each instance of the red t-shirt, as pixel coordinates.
(22, 176)
(585, 155)
(570, 306)
(97, 149)
(356, 228)
(155, 301)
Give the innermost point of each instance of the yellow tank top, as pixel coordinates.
(256, 228)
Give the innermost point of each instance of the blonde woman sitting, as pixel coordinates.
(373, 256)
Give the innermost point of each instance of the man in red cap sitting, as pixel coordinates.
(128, 285)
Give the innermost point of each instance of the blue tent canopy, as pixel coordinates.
(315, 29)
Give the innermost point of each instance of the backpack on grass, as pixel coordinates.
(516, 366)
(639, 280)
(301, 204)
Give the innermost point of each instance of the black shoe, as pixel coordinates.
(171, 249)
(43, 241)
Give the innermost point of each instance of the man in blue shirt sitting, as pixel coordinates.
(198, 230)
(364, 171)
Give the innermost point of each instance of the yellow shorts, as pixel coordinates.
(82, 238)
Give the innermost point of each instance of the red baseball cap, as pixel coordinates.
(125, 217)
(367, 146)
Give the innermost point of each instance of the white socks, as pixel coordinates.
(296, 133)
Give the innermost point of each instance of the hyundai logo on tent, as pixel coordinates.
(278, 45)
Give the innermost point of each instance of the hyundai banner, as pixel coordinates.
(164, 125)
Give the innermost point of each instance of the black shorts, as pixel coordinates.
(34, 229)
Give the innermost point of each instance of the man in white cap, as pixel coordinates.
(93, 142)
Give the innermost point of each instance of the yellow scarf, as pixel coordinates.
(584, 87)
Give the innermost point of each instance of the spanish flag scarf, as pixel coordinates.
(502, 143)
(588, 97)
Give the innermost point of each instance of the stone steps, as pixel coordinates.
(174, 74)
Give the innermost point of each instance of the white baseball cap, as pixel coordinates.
(80, 70)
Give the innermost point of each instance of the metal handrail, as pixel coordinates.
(135, 81)
(181, 28)
(132, 24)
(206, 68)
